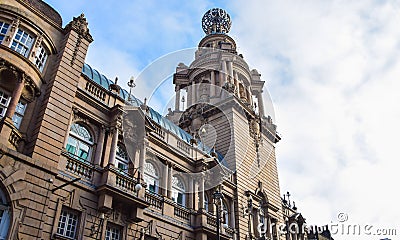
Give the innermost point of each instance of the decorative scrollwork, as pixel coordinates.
(216, 20)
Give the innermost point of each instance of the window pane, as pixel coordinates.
(113, 233)
(22, 42)
(41, 57)
(83, 151)
(180, 198)
(72, 145)
(67, 224)
(17, 119)
(81, 131)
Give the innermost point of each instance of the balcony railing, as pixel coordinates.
(211, 220)
(182, 212)
(184, 146)
(154, 200)
(95, 91)
(124, 182)
(15, 137)
(159, 131)
(79, 167)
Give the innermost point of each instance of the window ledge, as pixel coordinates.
(61, 237)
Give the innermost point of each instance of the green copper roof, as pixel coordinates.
(103, 81)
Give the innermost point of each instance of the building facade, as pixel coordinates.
(82, 158)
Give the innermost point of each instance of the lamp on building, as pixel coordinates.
(218, 196)
(202, 134)
(131, 85)
(138, 187)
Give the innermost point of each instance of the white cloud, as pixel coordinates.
(332, 69)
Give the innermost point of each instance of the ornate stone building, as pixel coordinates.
(81, 158)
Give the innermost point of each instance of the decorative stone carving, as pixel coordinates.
(80, 25)
(216, 20)
(255, 133)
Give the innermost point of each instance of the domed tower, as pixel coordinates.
(225, 110)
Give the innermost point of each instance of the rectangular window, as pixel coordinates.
(19, 114)
(3, 30)
(113, 232)
(68, 223)
(4, 101)
(22, 42)
(19, 110)
(40, 57)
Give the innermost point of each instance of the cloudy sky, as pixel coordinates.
(333, 72)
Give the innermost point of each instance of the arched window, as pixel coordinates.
(121, 158)
(151, 177)
(178, 191)
(4, 216)
(79, 142)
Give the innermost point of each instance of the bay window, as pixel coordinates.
(22, 42)
(3, 30)
(40, 57)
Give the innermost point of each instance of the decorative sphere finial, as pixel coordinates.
(216, 20)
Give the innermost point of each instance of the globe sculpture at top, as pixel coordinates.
(216, 20)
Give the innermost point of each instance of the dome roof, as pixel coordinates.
(45, 9)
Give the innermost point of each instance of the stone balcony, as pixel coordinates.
(207, 222)
(118, 187)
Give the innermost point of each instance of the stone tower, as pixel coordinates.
(225, 110)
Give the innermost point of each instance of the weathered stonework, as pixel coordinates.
(45, 179)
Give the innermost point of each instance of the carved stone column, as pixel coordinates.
(249, 95)
(113, 151)
(201, 192)
(189, 95)
(99, 148)
(177, 98)
(213, 86)
(260, 104)
(190, 193)
(142, 157)
(16, 95)
(232, 215)
(164, 183)
(237, 84)
(230, 71)
(224, 72)
(193, 92)
(196, 205)
(169, 185)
